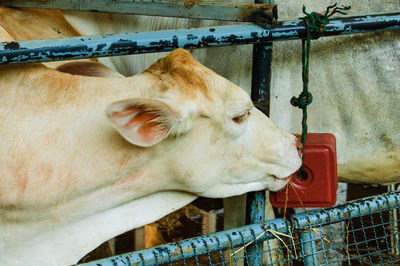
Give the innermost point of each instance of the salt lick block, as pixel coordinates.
(319, 187)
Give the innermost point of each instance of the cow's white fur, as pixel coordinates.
(48, 243)
(70, 182)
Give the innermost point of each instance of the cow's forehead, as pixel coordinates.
(180, 71)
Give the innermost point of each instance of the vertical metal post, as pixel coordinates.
(255, 213)
(308, 247)
(260, 94)
(394, 237)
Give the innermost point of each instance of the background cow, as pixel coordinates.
(87, 154)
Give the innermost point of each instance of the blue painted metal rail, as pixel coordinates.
(302, 239)
(149, 42)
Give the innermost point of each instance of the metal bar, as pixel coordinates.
(260, 94)
(181, 9)
(150, 42)
(261, 76)
(308, 247)
(255, 213)
(348, 210)
(169, 253)
(395, 237)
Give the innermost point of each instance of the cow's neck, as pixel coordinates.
(67, 178)
(78, 169)
(118, 171)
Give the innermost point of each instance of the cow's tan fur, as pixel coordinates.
(40, 24)
(180, 69)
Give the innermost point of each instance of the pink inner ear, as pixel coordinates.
(127, 111)
(151, 132)
(140, 125)
(140, 118)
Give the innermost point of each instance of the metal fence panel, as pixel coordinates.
(362, 232)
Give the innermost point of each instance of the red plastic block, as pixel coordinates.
(319, 188)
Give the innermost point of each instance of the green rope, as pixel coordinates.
(315, 25)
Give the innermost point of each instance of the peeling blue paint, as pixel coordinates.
(150, 42)
(191, 37)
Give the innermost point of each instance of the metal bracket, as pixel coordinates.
(182, 9)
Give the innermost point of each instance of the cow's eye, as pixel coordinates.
(241, 118)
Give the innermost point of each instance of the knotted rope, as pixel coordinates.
(315, 26)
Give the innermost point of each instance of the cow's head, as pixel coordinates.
(204, 132)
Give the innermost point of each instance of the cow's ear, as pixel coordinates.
(146, 121)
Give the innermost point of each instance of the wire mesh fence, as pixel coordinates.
(363, 232)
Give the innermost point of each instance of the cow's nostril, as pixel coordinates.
(300, 152)
(299, 145)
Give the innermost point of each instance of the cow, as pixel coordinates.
(344, 101)
(87, 154)
(354, 80)
(350, 77)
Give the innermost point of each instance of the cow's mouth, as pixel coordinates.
(282, 178)
(279, 183)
